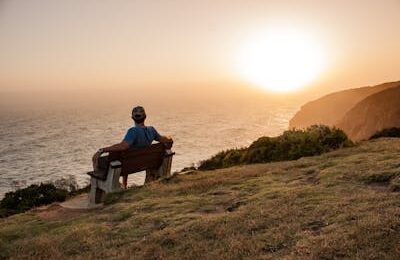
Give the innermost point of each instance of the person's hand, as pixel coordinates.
(168, 142)
(95, 160)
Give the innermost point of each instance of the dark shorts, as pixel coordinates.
(103, 164)
(102, 168)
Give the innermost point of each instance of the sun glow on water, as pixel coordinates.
(281, 59)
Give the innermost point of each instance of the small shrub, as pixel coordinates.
(29, 197)
(186, 169)
(23, 199)
(223, 159)
(388, 132)
(68, 183)
(291, 145)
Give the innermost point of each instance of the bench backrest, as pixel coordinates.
(140, 159)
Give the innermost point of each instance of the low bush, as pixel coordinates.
(291, 145)
(388, 132)
(32, 196)
(36, 195)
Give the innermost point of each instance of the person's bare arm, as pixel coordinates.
(122, 146)
(167, 141)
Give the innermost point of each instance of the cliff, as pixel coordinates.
(374, 113)
(343, 204)
(330, 109)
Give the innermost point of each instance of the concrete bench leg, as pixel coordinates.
(165, 168)
(163, 171)
(96, 195)
(99, 188)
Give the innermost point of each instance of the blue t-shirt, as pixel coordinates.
(141, 136)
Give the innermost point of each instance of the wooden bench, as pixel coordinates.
(156, 160)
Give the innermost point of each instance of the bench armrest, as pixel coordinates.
(169, 153)
(115, 164)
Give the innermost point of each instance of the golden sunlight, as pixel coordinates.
(281, 59)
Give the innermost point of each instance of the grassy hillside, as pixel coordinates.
(341, 204)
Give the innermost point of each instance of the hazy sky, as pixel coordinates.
(88, 44)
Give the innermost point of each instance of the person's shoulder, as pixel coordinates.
(151, 128)
(154, 133)
(132, 129)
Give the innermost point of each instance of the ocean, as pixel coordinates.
(49, 144)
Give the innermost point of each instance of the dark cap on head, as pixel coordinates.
(138, 114)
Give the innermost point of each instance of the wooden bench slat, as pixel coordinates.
(140, 159)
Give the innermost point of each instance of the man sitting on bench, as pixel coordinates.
(137, 136)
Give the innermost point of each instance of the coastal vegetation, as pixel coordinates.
(36, 195)
(291, 145)
(32, 196)
(388, 132)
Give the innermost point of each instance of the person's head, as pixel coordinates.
(138, 115)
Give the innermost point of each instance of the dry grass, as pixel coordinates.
(343, 204)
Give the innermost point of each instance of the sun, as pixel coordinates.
(281, 59)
